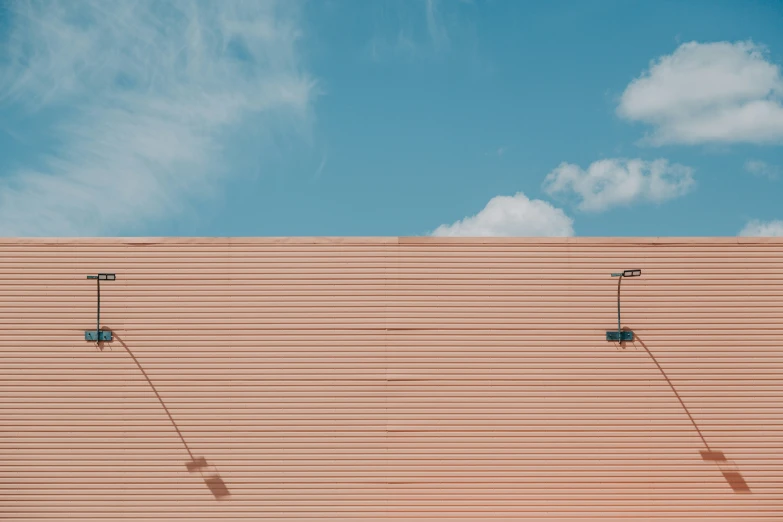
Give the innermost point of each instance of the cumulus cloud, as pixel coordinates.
(718, 92)
(617, 182)
(512, 216)
(756, 228)
(763, 169)
(142, 96)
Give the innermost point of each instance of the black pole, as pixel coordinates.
(619, 328)
(98, 324)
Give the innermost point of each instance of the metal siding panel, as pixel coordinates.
(391, 379)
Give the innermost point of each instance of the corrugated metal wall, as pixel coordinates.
(403, 379)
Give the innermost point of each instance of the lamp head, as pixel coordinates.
(628, 273)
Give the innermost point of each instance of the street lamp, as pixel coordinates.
(619, 335)
(98, 334)
(196, 464)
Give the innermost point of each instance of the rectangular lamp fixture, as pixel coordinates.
(632, 273)
(103, 277)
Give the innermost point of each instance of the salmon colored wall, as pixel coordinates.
(403, 379)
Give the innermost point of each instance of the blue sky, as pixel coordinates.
(391, 118)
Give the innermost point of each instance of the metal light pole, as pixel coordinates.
(196, 464)
(619, 335)
(99, 335)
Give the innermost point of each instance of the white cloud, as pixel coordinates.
(757, 228)
(144, 94)
(512, 216)
(717, 92)
(618, 182)
(761, 168)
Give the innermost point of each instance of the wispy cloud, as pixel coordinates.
(756, 228)
(403, 44)
(516, 216)
(435, 27)
(763, 169)
(419, 30)
(145, 95)
(321, 167)
(719, 92)
(500, 151)
(612, 183)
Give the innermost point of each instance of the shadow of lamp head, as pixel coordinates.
(210, 475)
(99, 335)
(621, 335)
(730, 472)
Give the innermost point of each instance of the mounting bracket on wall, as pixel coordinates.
(98, 334)
(621, 335)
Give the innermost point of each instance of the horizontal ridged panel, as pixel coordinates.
(391, 379)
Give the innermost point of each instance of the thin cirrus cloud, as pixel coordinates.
(421, 30)
(435, 26)
(142, 96)
(762, 169)
(611, 183)
(516, 216)
(719, 92)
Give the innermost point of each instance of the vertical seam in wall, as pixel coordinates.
(386, 263)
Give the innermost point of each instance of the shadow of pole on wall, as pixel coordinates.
(727, 467)
(211, 476)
